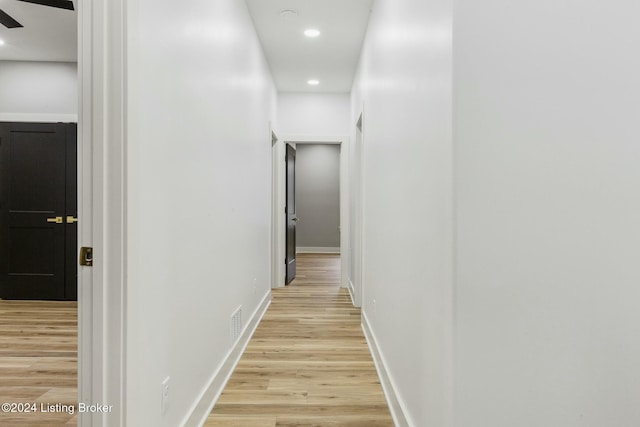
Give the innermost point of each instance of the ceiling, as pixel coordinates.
(331, 58)
(49, 34)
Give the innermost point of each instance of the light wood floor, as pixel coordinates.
(38, 359)
(308, 364)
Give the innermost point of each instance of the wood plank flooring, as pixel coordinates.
(308, 364)
(38, 360)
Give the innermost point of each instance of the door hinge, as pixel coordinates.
(86, 256)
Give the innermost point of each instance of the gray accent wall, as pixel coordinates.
(318, 195)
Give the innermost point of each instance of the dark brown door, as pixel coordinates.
(37, 211)
(71, 215)
(290, 210)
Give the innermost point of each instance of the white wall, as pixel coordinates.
(404, 80)
(313, 114)
(318, 195)
(200, 98)
(34, 91)
(547, 106)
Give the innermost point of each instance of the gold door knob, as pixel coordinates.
(71, 220)
(57, 219)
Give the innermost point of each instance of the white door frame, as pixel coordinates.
(357, 289)
(101, 208)
(275, 210)
(278, 194)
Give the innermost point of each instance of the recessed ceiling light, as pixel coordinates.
(1, 42)
(313, 82)
(311, 32)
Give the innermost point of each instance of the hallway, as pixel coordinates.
(308, 363)
(488, 184)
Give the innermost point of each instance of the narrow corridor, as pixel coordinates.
(308, 363)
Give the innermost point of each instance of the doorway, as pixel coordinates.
(101, 209)
(312, 202)
(318, 198)
(279, 202)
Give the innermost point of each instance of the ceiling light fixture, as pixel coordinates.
(313, 82)
(1, 42)
(311, 32)
(288, 13)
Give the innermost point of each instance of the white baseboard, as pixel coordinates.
(352, 291)
(202, 408)
(393, 399)
(46, 118)
(317, 250)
